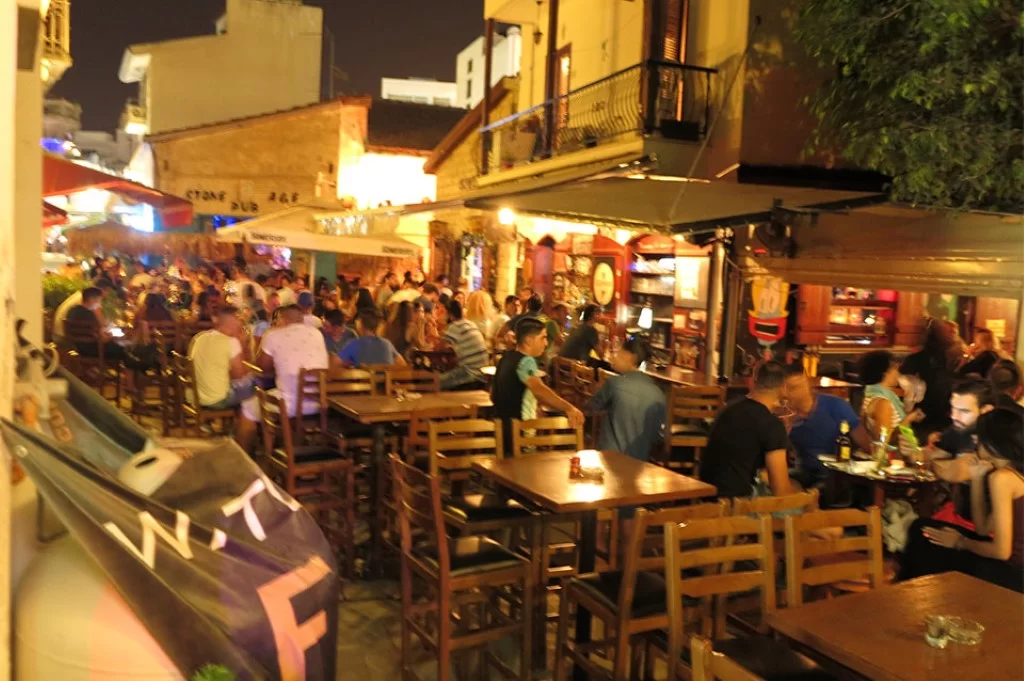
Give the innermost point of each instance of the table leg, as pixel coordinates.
(878, 495)
(377, 463)
(538, 536)
(588, 554)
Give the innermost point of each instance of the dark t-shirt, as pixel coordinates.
(740, 438)
(938, 378)
(980, 365)
(579, 343)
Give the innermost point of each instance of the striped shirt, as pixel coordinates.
(469, 344)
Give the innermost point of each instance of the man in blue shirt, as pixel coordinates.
(815, 425)
(369, 348)
(336, 333)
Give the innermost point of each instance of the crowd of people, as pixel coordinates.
(949, 406)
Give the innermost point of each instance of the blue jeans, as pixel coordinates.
(241, 390)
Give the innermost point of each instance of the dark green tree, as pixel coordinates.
(926, 91)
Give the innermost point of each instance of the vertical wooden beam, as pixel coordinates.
(551, 75)
(485, 119)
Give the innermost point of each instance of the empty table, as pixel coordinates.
(880, 634)
(543, 480)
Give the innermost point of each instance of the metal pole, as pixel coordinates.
(733, 305)
(714, 308)
(550, 77)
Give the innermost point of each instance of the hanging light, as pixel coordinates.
(506, 216)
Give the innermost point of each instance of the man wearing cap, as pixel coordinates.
(306, 302)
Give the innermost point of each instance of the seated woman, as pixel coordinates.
(995, 552)
(882, 407)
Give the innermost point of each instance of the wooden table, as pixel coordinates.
(927, 487)
(543, 480)
(880, 634)
(380, 410)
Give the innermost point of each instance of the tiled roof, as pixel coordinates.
(406, 125)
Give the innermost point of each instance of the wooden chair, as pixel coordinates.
(629, 602)
(709, 665)
(317, 476)
(553, 434)
(195, 414)
(459, 573)
(844, 562)
(143, 402)
(416, 449)
(690, 409)
(561, 378)
(454, 446)
(584, 381)
(188, 330)
(342, 382)
(411, 380)
(95, 369)
(707, 560)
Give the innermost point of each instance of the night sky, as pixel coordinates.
(374, 38)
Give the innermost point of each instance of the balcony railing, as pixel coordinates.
(670, 98)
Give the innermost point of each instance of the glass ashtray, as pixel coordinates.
(964, 631)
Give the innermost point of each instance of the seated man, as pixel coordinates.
(815, 426)
(517, 389)
(748, 437)
(336, 332)
(87, 317)
(635, 414)
(71, 301)
(218, 355)
(285, 351)
(465, 338)
(369, 348)
(954, 450)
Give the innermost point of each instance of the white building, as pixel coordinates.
(263, 56)
(418, 91)
(469, 66)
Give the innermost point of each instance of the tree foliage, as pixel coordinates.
(926, 91)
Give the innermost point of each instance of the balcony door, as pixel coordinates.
(668, 44)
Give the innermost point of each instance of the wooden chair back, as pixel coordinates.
(78, 333)
(347, 382)
(418, 504)
(277, 428)
(312, 389)
(711, 666)
(562, 378)
(689, 404)
(714, 547)
(189, 330)
(584, 382)
(455, 445)
(804, 502)
(816, 561)
(379, 375)
(554, 434)
(647, 549)
(417, 442)
(411, 380)
(164, 333)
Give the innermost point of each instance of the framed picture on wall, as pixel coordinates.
(691, 281)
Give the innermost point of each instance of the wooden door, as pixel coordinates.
(814, 305)
(910, 321)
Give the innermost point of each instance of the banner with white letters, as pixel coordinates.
(219, 564)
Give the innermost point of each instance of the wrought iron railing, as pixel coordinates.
(667, 97)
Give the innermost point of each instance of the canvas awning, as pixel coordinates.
(897, 247)
(62, 177)
(52, 215)
(669, 205)
(299, 228)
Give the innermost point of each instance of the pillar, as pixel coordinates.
(28, 187)
(505, 281)
(732, 307)
(711, 354)
(8, 79)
